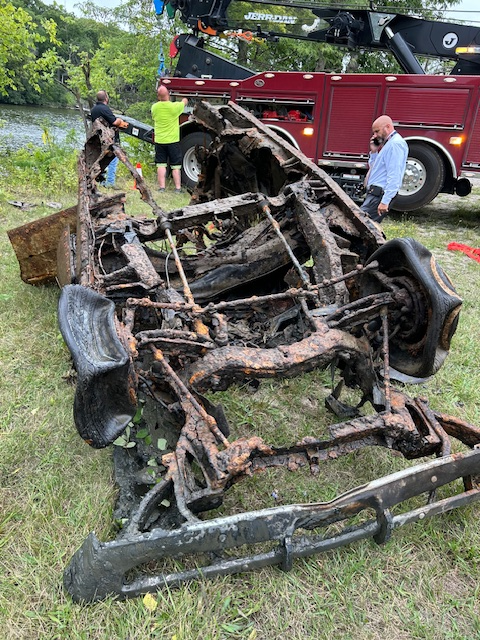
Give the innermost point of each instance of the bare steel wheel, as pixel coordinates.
(190, 165)
(423, 178)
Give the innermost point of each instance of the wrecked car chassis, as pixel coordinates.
(270, 272)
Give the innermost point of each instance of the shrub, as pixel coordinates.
(50, 167)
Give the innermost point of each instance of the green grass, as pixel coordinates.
(54, 489)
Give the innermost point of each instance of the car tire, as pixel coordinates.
(422, 325)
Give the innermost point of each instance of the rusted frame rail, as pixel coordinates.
(287, 526)
(403, 424)
(148, 331)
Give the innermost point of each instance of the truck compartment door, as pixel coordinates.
(350, 111)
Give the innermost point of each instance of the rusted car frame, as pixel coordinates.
(269, 272)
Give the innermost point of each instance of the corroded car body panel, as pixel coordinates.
(269, 272)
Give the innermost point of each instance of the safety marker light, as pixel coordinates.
(308, 131)
(456, 140)
(140, 173)
(467, 50)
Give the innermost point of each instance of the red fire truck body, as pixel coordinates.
(329, 117)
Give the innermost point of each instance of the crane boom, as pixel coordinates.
(437, 114)
(406, 37)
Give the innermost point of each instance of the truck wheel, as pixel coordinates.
(190, 165)
(423, 179)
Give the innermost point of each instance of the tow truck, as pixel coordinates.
(328, 116)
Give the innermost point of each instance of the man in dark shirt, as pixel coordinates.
(102, 110)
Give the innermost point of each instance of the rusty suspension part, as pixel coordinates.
(151, 336)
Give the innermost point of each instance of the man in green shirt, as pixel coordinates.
(165, 116)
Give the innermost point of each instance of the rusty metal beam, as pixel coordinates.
(269, 272)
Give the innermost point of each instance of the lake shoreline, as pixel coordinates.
(21, 125)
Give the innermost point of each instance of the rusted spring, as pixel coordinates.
(386, 359)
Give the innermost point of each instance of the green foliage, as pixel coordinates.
(46, 167)
(141, 111)
(74, 37)
(124, 440)
(423, 583)
(124, 63)
(20, 39)
(126, 68)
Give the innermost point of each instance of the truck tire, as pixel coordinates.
(190, 165)
(423, 179)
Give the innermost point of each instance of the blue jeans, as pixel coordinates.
(111, 172)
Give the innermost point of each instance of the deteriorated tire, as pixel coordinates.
(190, 165)
(105, 396)
(428, 306)
(423, 179)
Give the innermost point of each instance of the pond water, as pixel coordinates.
(20, 125)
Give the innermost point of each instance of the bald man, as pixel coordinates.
(165, 116)
(386, 174)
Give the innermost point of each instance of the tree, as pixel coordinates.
(75, 39)
(125, 62)
(20, 40)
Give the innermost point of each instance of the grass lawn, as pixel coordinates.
(54, 489)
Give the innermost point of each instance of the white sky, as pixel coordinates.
(69, 5)
(466, 10)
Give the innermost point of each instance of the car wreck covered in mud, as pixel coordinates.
(270, 271)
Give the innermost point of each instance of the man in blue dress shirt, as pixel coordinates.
(386, 174)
